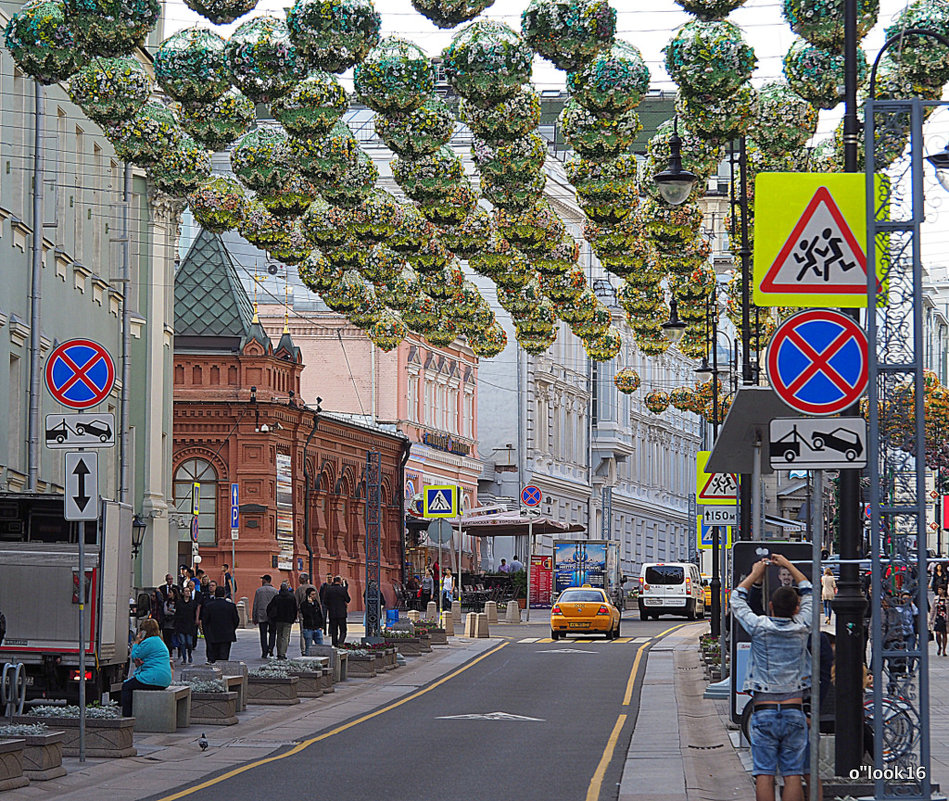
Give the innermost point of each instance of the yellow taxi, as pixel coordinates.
(584, 610)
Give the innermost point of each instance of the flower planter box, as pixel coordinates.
(326, 680)
(391, 662)
(214, 709)
(278, 691)
(11, 764)
(310, 684)
(43, 756)
(106, 738)
(425, 644)
(362, 667)
(439, 637)
(407, 646)
(380, 659)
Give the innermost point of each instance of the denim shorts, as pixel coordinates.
(778, 742)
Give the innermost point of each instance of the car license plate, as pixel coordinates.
(579, 625)
(654, 602)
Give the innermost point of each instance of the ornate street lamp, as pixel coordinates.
(675, 183)
(673, 328)
(941, 162)
(139, 530)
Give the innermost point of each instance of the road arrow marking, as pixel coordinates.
(565, 651)
(491, 716)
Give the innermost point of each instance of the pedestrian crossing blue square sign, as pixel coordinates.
(440, 501)
(704, 535)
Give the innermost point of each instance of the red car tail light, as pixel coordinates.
(604, 610)
(556, 610)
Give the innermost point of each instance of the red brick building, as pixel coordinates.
(239, 418)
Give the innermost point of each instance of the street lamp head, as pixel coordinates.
(940, 161)
(703, 372)
(675, 184)
(139, 529)
(673, 328)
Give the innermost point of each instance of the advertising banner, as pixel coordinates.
(542, 582)
(577, 563)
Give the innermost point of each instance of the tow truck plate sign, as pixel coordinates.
(90, 430)
(828, 443)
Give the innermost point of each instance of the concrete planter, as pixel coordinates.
(438, 637)
(407, 646)
(425, 644)
(390, 662)
(279, 691)
(11, 764)
(214, 709)
(380, 658)
(310, 684)
(43, 756)
(362, 667)
(106, 738)
(326, 681)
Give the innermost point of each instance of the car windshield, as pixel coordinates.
(665, 574)
(581, 596)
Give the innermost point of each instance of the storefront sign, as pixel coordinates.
(444, 442)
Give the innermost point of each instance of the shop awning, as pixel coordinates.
(512, 524)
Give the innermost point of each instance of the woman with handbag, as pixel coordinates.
(938, 618)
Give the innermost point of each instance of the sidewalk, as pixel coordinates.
(166, 761)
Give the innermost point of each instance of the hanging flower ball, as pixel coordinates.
(536, 344)
(451, 209)
(497, 256)
(710, 9)
(412, 233)
(224, 121)
(487, 62)
(698, 155)
(656, 401)
(606, 346)
(444, 284)
(688, 257)
(334, 35)
(468, 237)
(719, 119)
(512, 118)
(639, 266)
(429, 178)
(652, 345)
(513, 162)
(513, 197)
(217, 204)
(670, 226)
(627, 380)
(638, 301)
(513, 273)
(221, 12)
(261, 59)
(613, 83)
(597, 322)
(350, 255)
(419, 132)
(583, 308)
(189, 66)
(895, 82)
(182, 168)
(350, 293)
(292, 199)
(568, 33)
(563, 287)
(317, 274)
(821, 22)
(354, 185)
(295, 249)
(449, 13)
(261, 228)
(42, 41)
(376, 218)
(324, 159)
(388, 331)
(709, 58)
(614, 240)
(603, 181)
(922, 59)
(682, 398)
(312, 106)
(325, 226)
(147, 137)
(400, 292)
(613, 211)
(785, 121)
(112, 27)
(535, 229)
(598, 137)
(382, 265)
(432, 257)
(422, 315)
(395, 76)
(817, 74)
(262, 161)
(560, 258)
(443, 333)
(488, 343)
(693, 344)
(538, 321)
(110, 90)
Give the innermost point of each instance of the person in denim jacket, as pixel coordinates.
(778, 675)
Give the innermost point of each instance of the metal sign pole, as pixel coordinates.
(817, 518)
(82, 641)
(530, 554)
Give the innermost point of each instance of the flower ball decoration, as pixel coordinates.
(429, 178)
(468, 237)
(262, 160)
(611, 212)
(110, 90)
(487, 62)
(350, 255)
(582, 308)
(261, 59)
(637, 263)
(598, 137)
(693, 343)
(670, 227)
(613, 83)
(488, 343)
(388, 331)
(511, 162)
(719, 119)
(563, 287)
(513, 197)
(421, 315)
(354, 185)
(318, 274)
(603, 181)
(627, 380)
(334, 35)
(382, 265)
(698, 155)
(821, 22)
(656, 401)
(895, 82)
(419, 132)
(443, 333)
(538, 320)
(568, 33)
(785, 120)
(432, 257)
(560, 258)
(292, 199)
(652, 346)
(449, 13)
(112, 27)
(688, 257)
(682, 398)
(400, 292)
(498, 258)
(312, 106)
(605, 346)
(182, 168)
(453, 208)
(639, 301)
(218, 124)
(221, 12)
(261, 228)
(294, 249)
(147, 137)
(710, 9)
(817, 74)
(921, 57)
(368, 312)
(349, 293)
(217, 204)
(189, 66)
(535, 230)
(42, 41)
(412, 233)
(444, 284)
(514, 273)
(376, 218)
(395, 76)
(518, 301)
(325, 226)
(324, 159)
(536, 344)
(709, 58)
(614, 240)
(512, 118)
(595, 323)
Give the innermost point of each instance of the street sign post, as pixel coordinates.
(80, 373)
(80, 430)
(439, 531)
(82, 485)
(531, 495)
(808, 233)
(703, 535)
(713, 489)
(817, 362)
(822, 444)
(235, 519)
(440, 501)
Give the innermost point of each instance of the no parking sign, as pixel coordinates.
(80, 373)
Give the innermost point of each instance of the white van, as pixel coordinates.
(671, 588)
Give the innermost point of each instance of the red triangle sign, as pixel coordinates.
(719, 487)
(821, 256)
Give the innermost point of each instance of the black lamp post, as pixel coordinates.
(675, 183)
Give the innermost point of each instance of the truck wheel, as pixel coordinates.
(789, 456)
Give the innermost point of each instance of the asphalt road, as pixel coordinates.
(571, 693)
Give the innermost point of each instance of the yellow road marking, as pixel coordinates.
(544, 639)
(593, 793)
(623, 639)
(667, 631)
(302, 746)
(628, 695)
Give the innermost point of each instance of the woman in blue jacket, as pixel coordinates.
(152, 664)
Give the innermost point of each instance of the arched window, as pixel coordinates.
(189, 473)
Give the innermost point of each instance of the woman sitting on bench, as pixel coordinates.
(152, 664)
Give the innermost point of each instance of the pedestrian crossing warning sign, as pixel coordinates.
(703, 536)
(440, 501)
(810, 240)
(714, 489)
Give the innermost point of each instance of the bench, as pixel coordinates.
(162, 710)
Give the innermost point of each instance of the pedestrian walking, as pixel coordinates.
(448, 587)
(828, 591)
(940, 578)
(428, 588)
(220, 620)
(262, 598)
(300, 594)
(323, 588)
(938, 618)
(229, 583)
(777, 678)
(165, 615)
(337, 604)
(186, 624)
(311, 620)
(282, 612)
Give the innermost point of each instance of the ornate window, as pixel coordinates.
(189, 473)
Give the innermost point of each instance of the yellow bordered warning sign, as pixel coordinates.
(810, 240)
(703, 535)
(714, 489)
(440, 501)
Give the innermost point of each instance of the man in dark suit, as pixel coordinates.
(323, 588)
(337, 600)
(220, 620)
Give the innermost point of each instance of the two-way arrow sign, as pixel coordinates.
(82, 485)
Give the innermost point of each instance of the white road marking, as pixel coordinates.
(491, 716)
